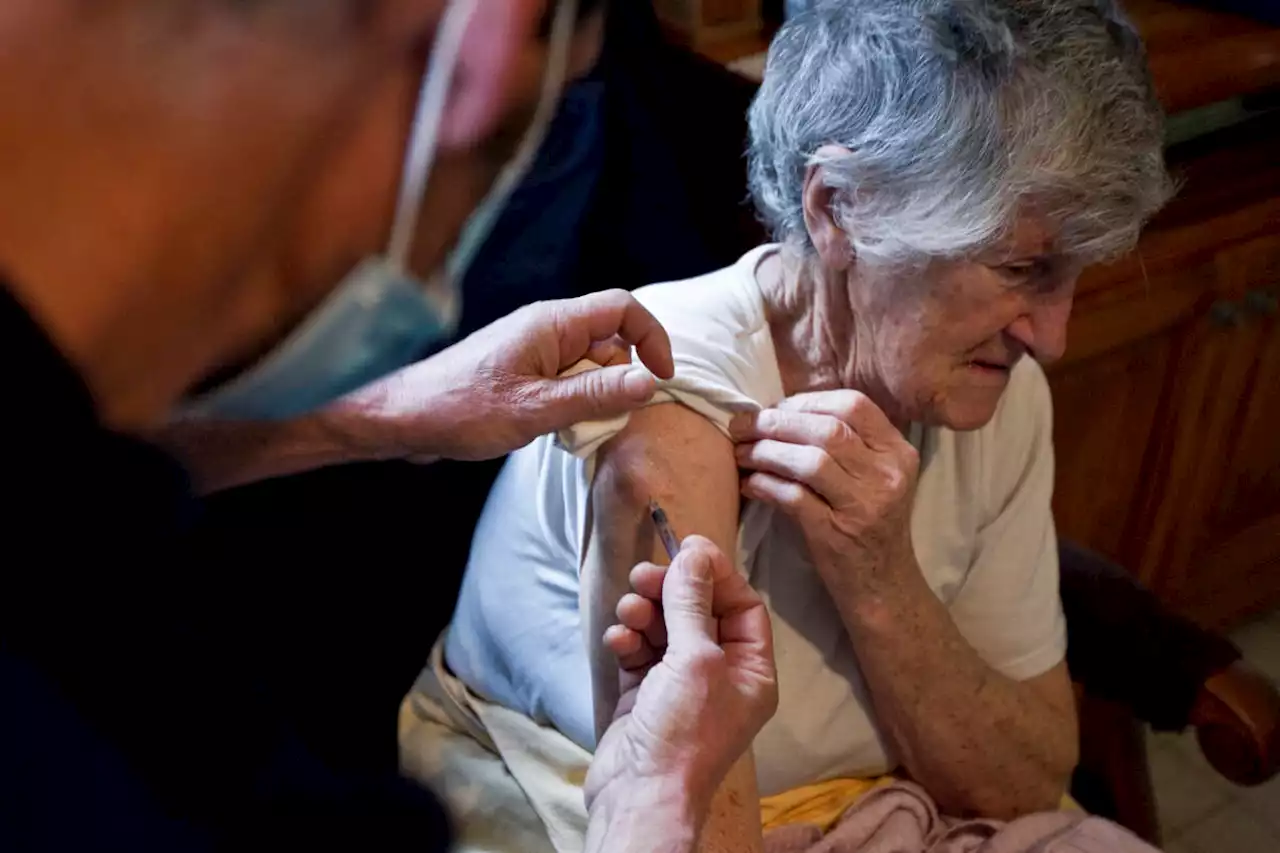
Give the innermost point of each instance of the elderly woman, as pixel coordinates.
(859, 412)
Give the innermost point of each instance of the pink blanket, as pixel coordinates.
(901, 818)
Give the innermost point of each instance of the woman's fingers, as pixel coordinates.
(840, 441)
(817, 430)
(794, 499)
(805, 464)
(821, 418)
(850, 407)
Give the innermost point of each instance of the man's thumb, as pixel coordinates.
(598, 394)
(687, 596)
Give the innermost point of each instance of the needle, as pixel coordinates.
(668, 538)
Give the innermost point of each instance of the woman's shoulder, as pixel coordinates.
(724, 305)
(720, 337)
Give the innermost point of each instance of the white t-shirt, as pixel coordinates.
(981, 526)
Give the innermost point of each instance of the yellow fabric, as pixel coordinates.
(822, 803)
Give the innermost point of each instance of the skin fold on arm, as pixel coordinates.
(673, 455)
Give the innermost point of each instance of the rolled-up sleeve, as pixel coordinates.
(1009, 607)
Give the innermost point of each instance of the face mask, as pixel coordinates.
(381, 318)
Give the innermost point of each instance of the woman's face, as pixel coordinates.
(940, 341)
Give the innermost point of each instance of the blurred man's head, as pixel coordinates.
(186, 178)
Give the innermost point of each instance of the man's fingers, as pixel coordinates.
(647, 578)
(600, 316)
(730, 590)
(634, 652)
(749, 626)
(688, 594)
(610, 353)
(621, 641)
(700, 591)
(643, 614)
(597, 394)
(636, 612)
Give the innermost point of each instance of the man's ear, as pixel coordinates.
(829, 239)
(484, 77)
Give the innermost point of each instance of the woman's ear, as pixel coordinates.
(830, 241)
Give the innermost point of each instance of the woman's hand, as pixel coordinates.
(979, 741)
(832, 461)
(698, 679)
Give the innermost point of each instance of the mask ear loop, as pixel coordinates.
(563, 26)
(425, 135)
(562, 29)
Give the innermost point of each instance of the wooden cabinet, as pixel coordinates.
(1167, 407)
(704, 22)
(1221, 557)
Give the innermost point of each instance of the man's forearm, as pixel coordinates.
(979, 741)
(644, 816)
(224, 454)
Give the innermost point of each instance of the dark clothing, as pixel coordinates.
(1127, 647)
(137, 713)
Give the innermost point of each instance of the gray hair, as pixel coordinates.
(954, 114)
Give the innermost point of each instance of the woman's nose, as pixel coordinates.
(1043, 329)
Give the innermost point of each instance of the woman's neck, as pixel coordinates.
(819, 343)
(814, 347)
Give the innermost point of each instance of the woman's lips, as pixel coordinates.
(989, 366)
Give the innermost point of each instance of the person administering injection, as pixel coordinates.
(246, 210)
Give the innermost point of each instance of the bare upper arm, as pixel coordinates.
(670, 454)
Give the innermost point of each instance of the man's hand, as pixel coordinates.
(483, 397)
(698, 681)
(833, 462)
(497, 390)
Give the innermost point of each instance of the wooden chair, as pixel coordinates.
(1134, 662)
